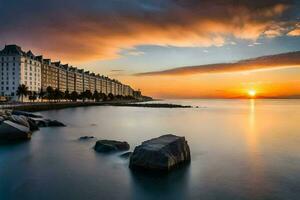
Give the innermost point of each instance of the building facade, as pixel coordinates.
(71, 79)
(18, 67)
(49, 74)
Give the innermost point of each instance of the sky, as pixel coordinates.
(167, 48)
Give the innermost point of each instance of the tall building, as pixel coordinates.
(104, 85)
(79, 80)
(92, 82)
(71, 79)
(86, 80)
(98, 83)
(49, 74)
(18, 67)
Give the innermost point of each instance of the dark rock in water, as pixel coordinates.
(48, 123)
(126, 155)
(55, 123)
(12, 131)
(86, 137)
(41, 123)
(162, 153)
(32, 125)
(106, 146)
(26, 114)
(19, 119)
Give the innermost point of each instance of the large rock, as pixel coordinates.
(20, 119)
(162, 153)
(107, 146)
(25, 121)
(32, 125)
(12, 131)
(26, 114)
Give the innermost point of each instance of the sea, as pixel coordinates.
(240, 150)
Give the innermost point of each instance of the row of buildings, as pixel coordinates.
(37, 73)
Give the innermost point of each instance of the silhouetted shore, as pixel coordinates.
(42, 106)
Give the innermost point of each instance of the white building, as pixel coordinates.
(16, 68)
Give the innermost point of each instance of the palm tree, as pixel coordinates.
(32, 96)
(42, 94)
(58, 95)
(82, 96)
(22, 91)
(74, 96)
(96, 96)
(103, 96)
(88, 94)
(67, 95)
(110, 96)
(50, 93)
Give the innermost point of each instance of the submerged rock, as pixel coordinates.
(86, 137)
(48, 123)
(55, 123)
(162, 153)
(12, 131)
(32, 125)
(106, 146)
(126, 155)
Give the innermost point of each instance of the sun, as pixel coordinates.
(252, 93)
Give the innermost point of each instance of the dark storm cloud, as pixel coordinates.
(291, 59)
(98, 29)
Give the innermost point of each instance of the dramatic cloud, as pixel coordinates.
(266, 62)
(100, 29)
(295, 32)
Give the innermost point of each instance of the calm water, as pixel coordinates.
(241, 149)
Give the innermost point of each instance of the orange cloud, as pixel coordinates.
(284, 60)
(99, 30)
(295, 32)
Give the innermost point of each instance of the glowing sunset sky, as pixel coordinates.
(167, 48)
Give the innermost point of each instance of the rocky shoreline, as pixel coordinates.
(158, 154)
(152, 105)
(43, 106)
(17, 125)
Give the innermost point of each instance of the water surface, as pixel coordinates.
(241, 149)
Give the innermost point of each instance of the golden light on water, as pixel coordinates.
(252, 93)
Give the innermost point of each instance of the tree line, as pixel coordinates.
(56, 95)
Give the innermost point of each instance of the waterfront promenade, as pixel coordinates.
(40, 106)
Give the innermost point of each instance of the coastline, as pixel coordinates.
(43, 106)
